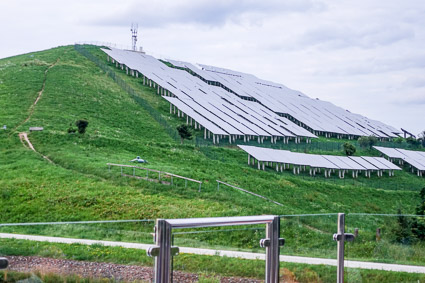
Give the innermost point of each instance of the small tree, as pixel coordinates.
(398, 140)
(349, 149)
(413, 142)
(367, 141)
(184, 132)
(82, 125)
(418, 224)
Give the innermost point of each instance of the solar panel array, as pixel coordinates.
(235, 104)
(320, 117)
(218, 111)
(416, 159)
(283, 158)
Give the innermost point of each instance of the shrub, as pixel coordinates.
(367, 141)
(413, 142)
(184, 133)
(82, 125)
(349, 149)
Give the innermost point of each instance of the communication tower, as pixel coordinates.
(134, 28)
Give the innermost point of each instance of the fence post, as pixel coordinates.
(273, 250)
(163, 259)
(340, 249)
(341, 237)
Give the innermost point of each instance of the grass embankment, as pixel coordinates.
(79, 187)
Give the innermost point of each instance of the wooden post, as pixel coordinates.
(378, 234)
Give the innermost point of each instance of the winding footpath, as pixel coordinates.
(27, 143)
(211, 252)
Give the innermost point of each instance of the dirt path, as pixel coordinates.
(27, 143)
(40, 93)
(119, 272)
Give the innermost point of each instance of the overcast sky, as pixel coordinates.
(365, 56)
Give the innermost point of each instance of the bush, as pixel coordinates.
(184, 132)
(82, 125)
(413, 142)
(367, 141)
(349, 149)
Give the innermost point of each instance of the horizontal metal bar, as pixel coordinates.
(302, 215)
(219, 221)
(220, 230)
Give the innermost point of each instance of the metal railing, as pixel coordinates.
(163, 251)
(164, 174)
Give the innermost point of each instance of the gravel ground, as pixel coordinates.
(100, 270)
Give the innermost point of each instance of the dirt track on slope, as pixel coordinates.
(40, 93)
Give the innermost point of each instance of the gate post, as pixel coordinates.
(163, 259)
(273, 250)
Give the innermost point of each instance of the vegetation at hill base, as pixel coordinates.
(79, 186)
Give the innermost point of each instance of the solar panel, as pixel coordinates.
(215, 94)
(414, 158)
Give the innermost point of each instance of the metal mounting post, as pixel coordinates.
(272, 243)
(162, 252)
(341, 237)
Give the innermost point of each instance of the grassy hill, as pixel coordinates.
(78, 185)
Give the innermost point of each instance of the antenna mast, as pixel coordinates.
(134, 28)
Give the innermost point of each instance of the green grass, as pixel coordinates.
(79, 186)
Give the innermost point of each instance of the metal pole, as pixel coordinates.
(272, 251)
(340, 249)
(163, 260)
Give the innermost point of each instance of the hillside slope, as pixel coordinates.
(119, 129)
(78, 185)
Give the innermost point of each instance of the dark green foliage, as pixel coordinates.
(368, 142)
(184, 132)
(411, 230)
(413, 142)
(398, 140)
(82, 125)
(418, 224)
(349, 149)
(71, 129)
(403, 232)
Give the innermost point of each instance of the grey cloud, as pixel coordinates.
(415, 82)
(336, 37)
(209, 13)
(374, 66)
